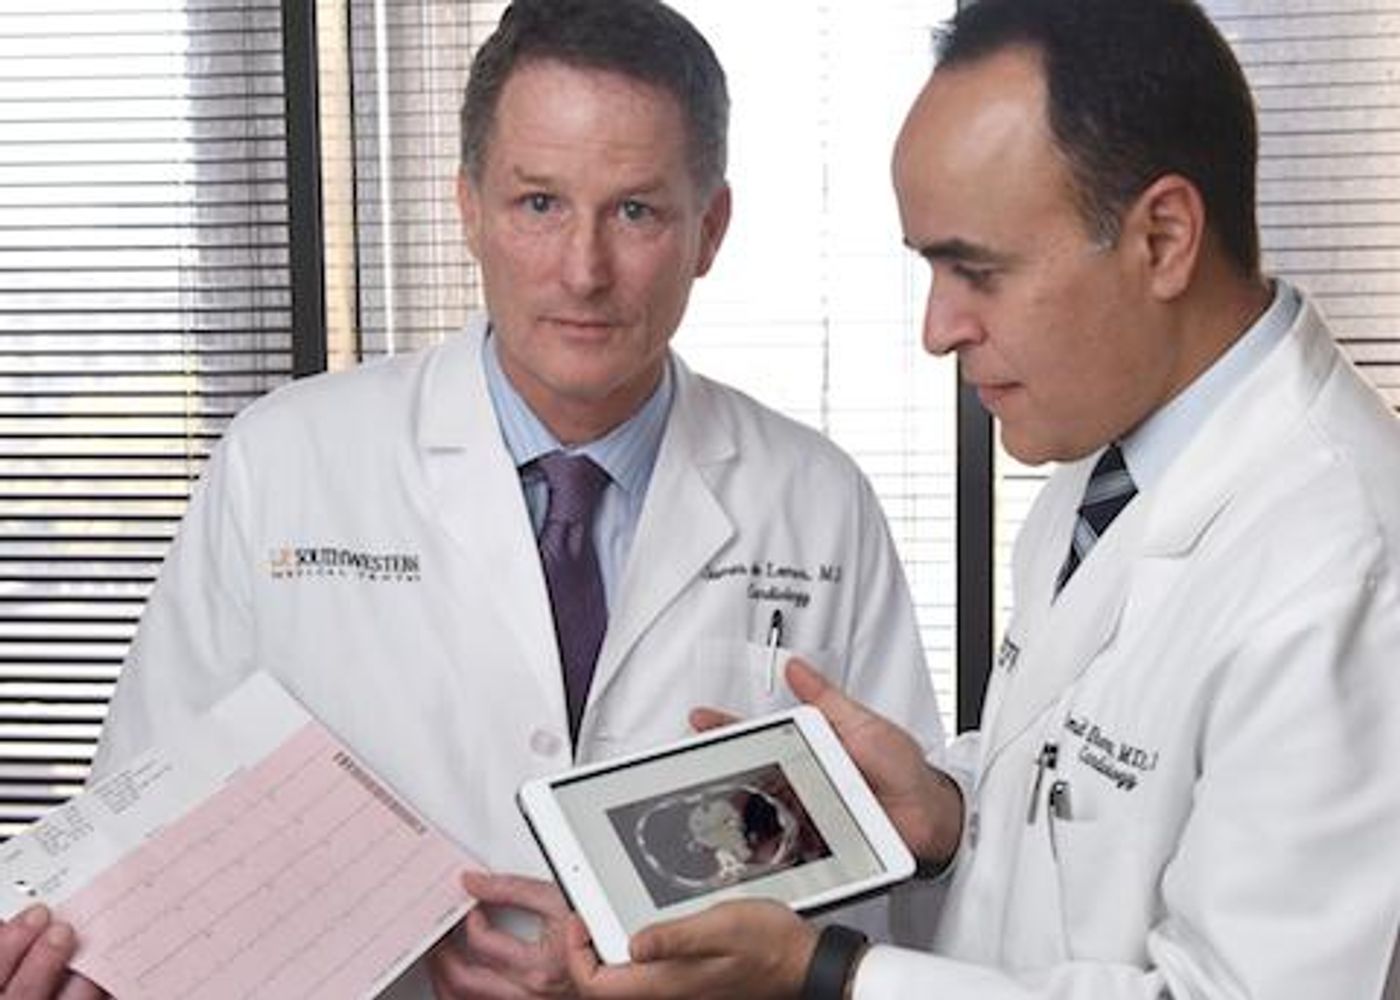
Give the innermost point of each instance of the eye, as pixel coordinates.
(539, 202)
(980, 279)
(635, 211)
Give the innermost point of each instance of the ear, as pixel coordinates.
(713, 226)
(1168, 223)
(469, 209)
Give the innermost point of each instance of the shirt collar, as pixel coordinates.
(1152, 446)
(627, 453)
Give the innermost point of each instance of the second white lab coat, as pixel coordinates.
(364, 538)
(1221, 682)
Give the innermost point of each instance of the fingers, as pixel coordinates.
(519, 891)
(485, 945)
(81, 988)
(702, 719)
(595, 981)
(473, 982)
(688, 937)
(16, 937)
(458, 975)
(578, 951)
(487, 962)
(34, 955)
(810, 686)
(742, 948)
(719, 931)
(852, 720)
(536, 962)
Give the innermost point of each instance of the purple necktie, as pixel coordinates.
(571, 572)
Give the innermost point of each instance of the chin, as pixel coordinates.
(1031, 452)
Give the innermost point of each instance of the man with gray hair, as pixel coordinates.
(598, 537)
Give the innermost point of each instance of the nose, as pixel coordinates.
(949, 322)
(587, 264)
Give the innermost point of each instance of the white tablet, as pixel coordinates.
(771, 807)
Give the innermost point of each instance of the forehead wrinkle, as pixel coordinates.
(631, 169)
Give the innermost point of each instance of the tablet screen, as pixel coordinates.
(749, 814)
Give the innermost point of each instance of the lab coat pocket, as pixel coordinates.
(1105, 912)
(747, 677)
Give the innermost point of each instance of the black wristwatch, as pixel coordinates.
(832, 970)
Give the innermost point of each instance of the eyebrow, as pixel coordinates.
(959, 250)
(530, 179)
(646, 189)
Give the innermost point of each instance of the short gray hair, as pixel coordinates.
(641, 39)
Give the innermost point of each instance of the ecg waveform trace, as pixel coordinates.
(294, 880)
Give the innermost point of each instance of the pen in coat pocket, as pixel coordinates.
(774, 640)
(1058, 810)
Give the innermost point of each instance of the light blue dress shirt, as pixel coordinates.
(627, 453)
(1153, 445)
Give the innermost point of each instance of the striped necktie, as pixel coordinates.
(1109, 490)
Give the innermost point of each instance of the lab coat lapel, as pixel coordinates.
(683, 524)
(1257, 419)
(1063, 636)
(475, 490)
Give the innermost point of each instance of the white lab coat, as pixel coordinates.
(1222, 680)
(429, 648)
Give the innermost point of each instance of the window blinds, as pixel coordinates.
(1328, 99)
(143, 300)
(408, 62)
(1329, 175)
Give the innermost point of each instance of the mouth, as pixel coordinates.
(579, 322)
(991, 394)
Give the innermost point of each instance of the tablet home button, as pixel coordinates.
(545, 743)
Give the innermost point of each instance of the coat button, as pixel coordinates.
(545, 744)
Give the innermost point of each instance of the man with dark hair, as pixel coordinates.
(1183, 784)
(542, 541)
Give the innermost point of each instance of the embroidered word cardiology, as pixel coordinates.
(292, 562)
(774, 581)
(1116, 759)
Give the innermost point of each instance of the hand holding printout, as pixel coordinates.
(489, 957)
(34, 953)
(255, 858)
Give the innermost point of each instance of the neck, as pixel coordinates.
(579, 419)
(1211, 318)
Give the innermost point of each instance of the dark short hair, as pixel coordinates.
(1137, 89)
(641, 39)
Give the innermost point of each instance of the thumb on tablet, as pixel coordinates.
(805, 682)
(880, 749)
(811, 687)
(924, 804)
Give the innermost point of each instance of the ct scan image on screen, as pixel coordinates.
(718, 833)
(749, 813)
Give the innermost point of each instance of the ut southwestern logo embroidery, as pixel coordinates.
(298, 562)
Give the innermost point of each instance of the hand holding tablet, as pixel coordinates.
(772, 807)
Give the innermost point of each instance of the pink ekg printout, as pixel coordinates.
(301, 876)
